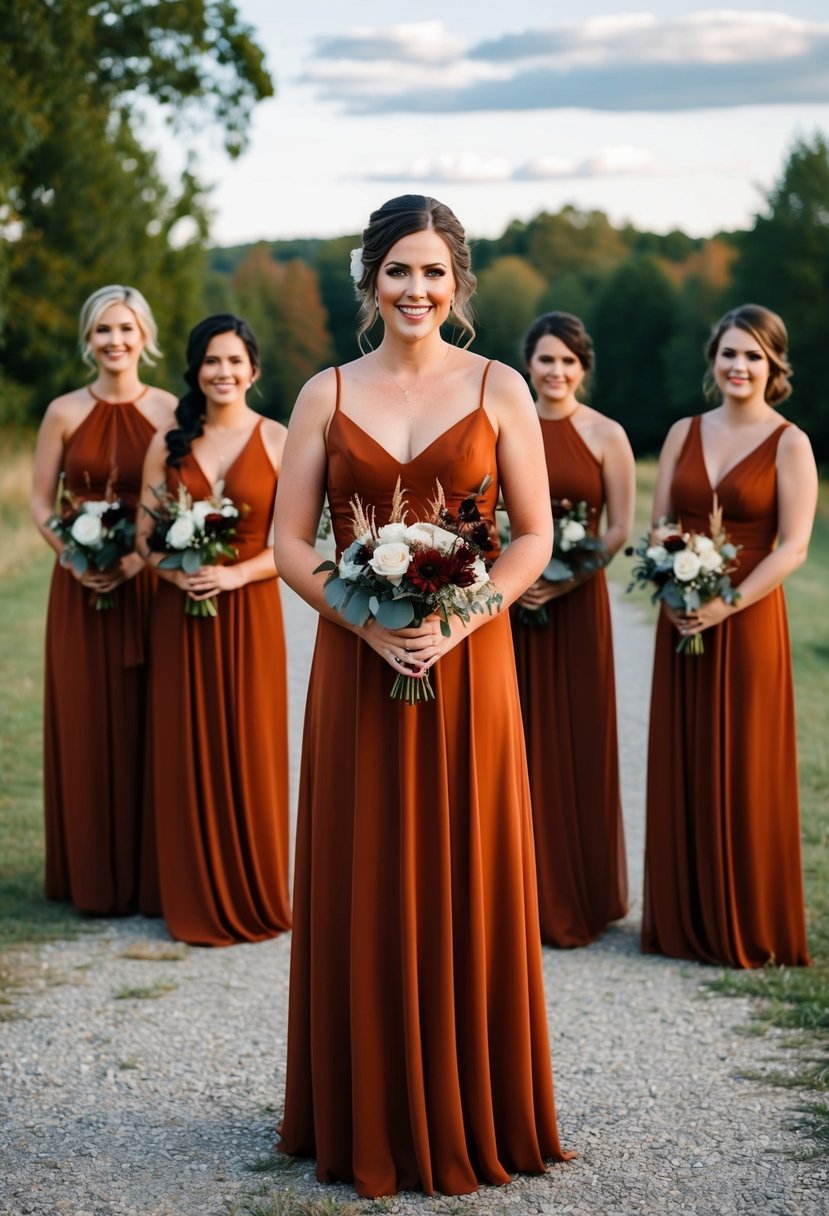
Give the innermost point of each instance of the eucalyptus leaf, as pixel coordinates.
(395, 614)
(327, 566)
(191, 561)
(79, 562)
(170, 561)
(556, 571)
(335, 591)
(356, 610)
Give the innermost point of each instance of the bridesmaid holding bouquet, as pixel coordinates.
(218, 748)
(722, 867)
(91, 447)
(565, 665)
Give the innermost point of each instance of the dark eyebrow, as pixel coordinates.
(427, 266)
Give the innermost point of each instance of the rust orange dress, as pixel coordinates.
(95, 687)
(218, 727)
(418, 1055)
(568, 701)
(722, 868)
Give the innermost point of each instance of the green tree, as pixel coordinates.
(82, 202)
(572, 240)
(632, 324)
(784, 264)
(507, 301)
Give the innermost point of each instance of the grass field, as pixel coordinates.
(797, 998)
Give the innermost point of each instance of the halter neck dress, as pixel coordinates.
(418, 1055)
(722, 867)
(218, 731)
(93, 746)
(568, 701)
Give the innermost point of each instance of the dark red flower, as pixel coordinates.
(478, 534)
(673, 543)
(462, 563)
(468, 511)
(215, 523)
(429, 570)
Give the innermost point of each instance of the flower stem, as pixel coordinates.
(412, 689)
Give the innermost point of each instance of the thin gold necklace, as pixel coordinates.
(426, 375)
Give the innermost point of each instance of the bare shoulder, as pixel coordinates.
(159, 407)
(677, 434)
(273, 431)
(157, 447)
(795, 445)
(317, 400)
(70, 407)
(503, 381)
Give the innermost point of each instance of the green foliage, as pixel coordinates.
(784, 264)
(632, 324)
(506, 302)
(82, 202)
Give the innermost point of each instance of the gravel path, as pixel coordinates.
(151, 1085)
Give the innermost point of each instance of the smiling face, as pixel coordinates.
(555, 370)
(226, 372)
(415, 285)
(116, 340)
(741, 366)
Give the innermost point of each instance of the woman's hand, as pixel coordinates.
(542, 591)
(129, 565)
(210, 580)
(413, 651)
(704, 617)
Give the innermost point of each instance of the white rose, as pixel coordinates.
(182, 531)
(87, 530)
(711, 560)
(349, 570)
(656, 553)
(391, 534)
(703, 544)
(420, 534)
(98, 508)
(391, 561)
(356, 267)
(228, 510)
(572, 533)
(686, 565)
(199, 512)
(443, 540)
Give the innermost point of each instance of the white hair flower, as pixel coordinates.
(357, 268)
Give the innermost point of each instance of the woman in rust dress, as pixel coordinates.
(93, 437)
(218, 754)
(418, 1055)
(565, 667)
(722, 871)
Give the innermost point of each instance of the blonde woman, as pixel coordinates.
(90, 438)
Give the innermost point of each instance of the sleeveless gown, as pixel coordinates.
(568, 700)
(722, 868)
(94, 691)
(418, 1055)
(218, 757)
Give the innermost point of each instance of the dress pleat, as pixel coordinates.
(418, 1055)
(723, 877)
(568, 701)
(218, 720)
(95, 691)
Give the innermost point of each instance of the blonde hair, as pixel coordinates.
(401, 217)
(100, 301)
(769, 332)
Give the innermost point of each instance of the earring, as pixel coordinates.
(376, 299)
(452, 304)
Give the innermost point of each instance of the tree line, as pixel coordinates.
(82, 202)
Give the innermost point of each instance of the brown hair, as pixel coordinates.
(401, 217)
(568, 329)
(769, 332)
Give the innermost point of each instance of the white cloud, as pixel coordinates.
(629, 61)
(469, 168)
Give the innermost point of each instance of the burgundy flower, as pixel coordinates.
(478, 534)
(673, 543)
(462, 563)
(215, 523)
(468, 511)
(429, 570)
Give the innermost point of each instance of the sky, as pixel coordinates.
(669, 115)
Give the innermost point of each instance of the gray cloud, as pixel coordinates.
(626, 62)
(469, 169)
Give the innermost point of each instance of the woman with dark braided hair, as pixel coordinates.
(218, 767)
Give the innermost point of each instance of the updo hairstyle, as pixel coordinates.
(401, 217)
(100, 301)
(769, 332)
(191, 407)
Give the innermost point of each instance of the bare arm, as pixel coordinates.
(47, 468)
(619, 478)
(663, 507)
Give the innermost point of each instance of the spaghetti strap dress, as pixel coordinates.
(218, 727)
(722, 868)
(568, 702)
(93, 746)
(418, 1056)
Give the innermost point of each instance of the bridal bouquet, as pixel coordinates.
(399, 574)
(193, 534)
(575, 551)
(687, 569)
(95, 533)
